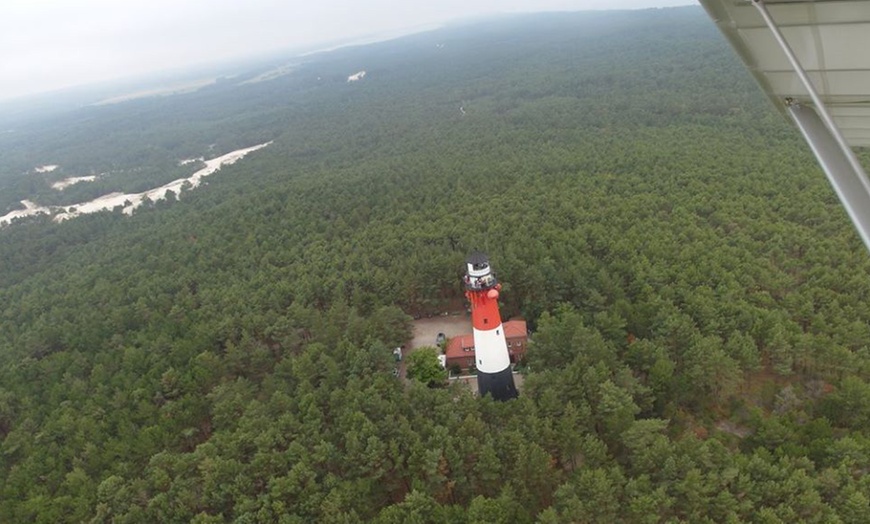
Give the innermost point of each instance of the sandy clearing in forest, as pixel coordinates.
(130, 201)
(426, 329)
(66, 182)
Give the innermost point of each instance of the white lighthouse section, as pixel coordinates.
(490, 349)
(480, 272)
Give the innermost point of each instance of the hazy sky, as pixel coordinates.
(50, 44)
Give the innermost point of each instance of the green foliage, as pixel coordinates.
(424, 367)
(698, 296)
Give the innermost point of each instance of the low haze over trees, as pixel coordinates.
(698, 296)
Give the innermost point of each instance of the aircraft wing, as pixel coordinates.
(812, 58)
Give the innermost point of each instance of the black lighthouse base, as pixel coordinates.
(500, 385)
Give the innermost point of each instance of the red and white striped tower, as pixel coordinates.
(493, 362)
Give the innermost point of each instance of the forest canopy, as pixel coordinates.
(697, 294)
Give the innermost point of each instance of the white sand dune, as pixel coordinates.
(129, 201)
(30, 209)
(60, 185)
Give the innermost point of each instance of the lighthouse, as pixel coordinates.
(493, 362)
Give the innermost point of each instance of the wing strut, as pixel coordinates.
(849, 185)
(833, 153)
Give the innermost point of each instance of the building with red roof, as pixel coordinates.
(460, 349)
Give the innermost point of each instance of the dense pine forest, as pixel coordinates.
(698, 297)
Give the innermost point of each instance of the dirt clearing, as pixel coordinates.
(426, 329)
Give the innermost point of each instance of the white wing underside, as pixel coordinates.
(830, 41)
